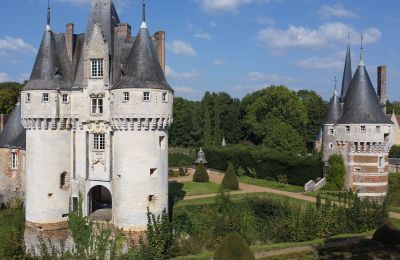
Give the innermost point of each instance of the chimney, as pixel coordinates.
(382, 87)
(69, 36)
(160, 47)
(124, 31)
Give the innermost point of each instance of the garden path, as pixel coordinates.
(248, 188)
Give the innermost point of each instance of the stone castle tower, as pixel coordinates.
(357, 127)
(96, 110)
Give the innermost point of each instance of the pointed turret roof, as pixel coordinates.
(361, 105)
(143, 69)
(13, 135)
(347, 75)
(334, 110)
(104, 14)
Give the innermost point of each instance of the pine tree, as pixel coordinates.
(230, 181)
(217, 126)
(207, 140)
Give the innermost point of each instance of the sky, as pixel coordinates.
(236, 46)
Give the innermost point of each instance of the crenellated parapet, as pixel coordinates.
(51, 123)
(141, 122)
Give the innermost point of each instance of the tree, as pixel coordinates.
(230, 181)
(394, 151)
(207, 139)
(336, 173)
(200, 174)
(217, 126)
(9, 95)
(233, 246)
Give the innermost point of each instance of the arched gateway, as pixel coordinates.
(99, 203)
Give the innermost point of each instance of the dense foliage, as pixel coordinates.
(9, 95)
(200, 174)
(394, 189)
(264, 163)
(276, 117)
(233, 246)
(336, 173)
(394, 151)
(230, 181)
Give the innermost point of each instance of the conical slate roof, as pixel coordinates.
(347, 75)
(104, 14)
(334, 110)
(46, 73)
(13, 135)
(143, 69)
(361, 105)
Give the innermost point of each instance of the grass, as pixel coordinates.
(271, 184)
(8, 220)
(192, 188)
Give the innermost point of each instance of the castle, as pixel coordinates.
(96, 111)
(358, 128)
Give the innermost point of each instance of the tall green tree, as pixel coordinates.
(207, 138)
(336, 173)
(217, 126)
(9, 95)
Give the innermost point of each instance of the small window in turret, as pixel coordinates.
(28, 98)
(14, 161)
(347, 129)
(97, 68)
(45, 97)
(126, 96)
(165, 97)
(331, 131)
(65, 98)
(146, 96)
(378, 129)
(363, 129)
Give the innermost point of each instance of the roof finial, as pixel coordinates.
(362, 50)
(48, 15)
(144, 25)
(335, 82)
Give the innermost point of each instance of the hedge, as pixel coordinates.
(263, 163)
(180, 160)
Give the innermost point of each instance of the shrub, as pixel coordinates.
(181, 172)
(336, 172)
(200, 174)
(172, 173)
(387, 234)
(177, 159)
(233, 246)
(230, 181)
(394, 151)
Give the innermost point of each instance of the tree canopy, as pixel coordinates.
(9, 95)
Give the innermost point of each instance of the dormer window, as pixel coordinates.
(164, 97)
(97, 106)
(28, 98)
(45, 97)
(363, 129)
(126, 96)
(146, 96)
(97, 68)
(65, 98)
(347, 129)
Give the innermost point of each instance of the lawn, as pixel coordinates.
(271, 184)
(192, 188)
(8, 219)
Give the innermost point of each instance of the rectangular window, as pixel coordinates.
(45, 97)
(164, 97)
(14, 161)
(28, 98)
(363, 128)
(347, 129)
(331, 131)
(65, 98)
(126, 96)
(378, 129)
(381, 162)
(97, 68)
(99, 142)
(97, 106)
(146, 96)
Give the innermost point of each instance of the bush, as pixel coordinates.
(200, 174)
(176, 159)
(233, 247)
(336, 173)
(182, 172)
(394, 151)
(263, 163)
(230, 181)
(394, 189)
(387, 234)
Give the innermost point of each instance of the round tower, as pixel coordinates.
(141, 113)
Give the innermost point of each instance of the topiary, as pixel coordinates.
(233, 247)
(181, 172)
(387, 234)
(200, 174)
(230, 181)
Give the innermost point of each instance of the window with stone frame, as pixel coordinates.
(64, 180)
(347, 129)
(381, 162)
(99, 142)
(378, 129)
(126, 96)
(331, 131)
(164, 97)
(65, 98)
(14, 161)
(146, 96)
(363, 129)
(45, 97)
(28, 98)
(97, 106)
(97, 68)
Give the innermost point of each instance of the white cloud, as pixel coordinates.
(172, 74)
(266, 20)
(336, 11)
(203, 35)
(185, 90)
(326, 35)
(219, 62)
(4, 77)
(213, 24)
(181, 48)
(219, 6)
(333, 62)
(270, 78)
(15, 44)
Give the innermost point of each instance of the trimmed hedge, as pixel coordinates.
(180, 160)
(263, 163)
(233, 246)
(200, 174)
(230, 181)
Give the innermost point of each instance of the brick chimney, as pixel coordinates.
(160, 47)
(69, 36)
(382, 86)
(124, 31)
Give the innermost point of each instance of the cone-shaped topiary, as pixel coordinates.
(233, 247)
(230, 181)
(387, 234)
(200, 174)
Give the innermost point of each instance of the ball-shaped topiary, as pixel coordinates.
(200, 174)
(387, 234)
(230, 181)
(233, 247)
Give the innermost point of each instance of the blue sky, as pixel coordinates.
(236, 46)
